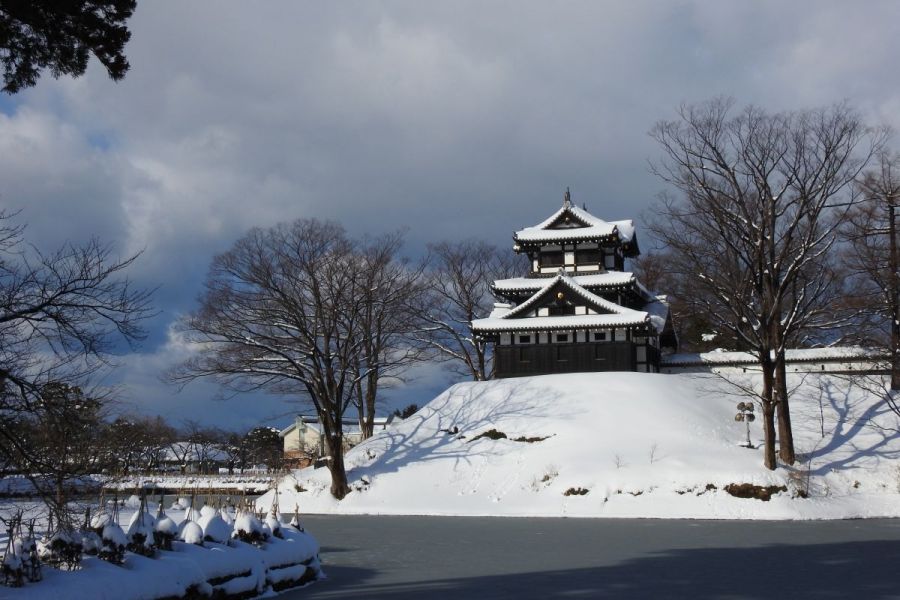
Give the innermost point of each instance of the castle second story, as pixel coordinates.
(573, 239)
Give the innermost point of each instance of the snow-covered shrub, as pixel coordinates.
(215, 529)
(90, 535)
(295, 522)
(206, 511)
(190, 514)
(91, 542)
(25, 547)
(226, 516)
(191, 533)
(273, 522)
(247, 528)
(113, 543)
(165, 530)
(13, 571)
(140, 534)
(100, 520)
(61, 549)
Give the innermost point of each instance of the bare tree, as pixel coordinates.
(158, 435)
(873, 261)
(182, 451)
(204, 443)
(234, 450)
(391, 291)
(461, 279)
(60, 315)
(755, 223)
(62, 442)
(281, 311)
(696, 330)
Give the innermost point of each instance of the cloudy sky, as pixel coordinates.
(455, 119)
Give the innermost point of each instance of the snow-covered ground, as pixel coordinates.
(618, 445)
(234, 567)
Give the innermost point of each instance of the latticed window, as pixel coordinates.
(551, 259)
(588, 257)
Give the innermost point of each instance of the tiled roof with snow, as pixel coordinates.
(723, 357)
(595, 228)
(559, 322)
(503, 319)
(609, 279)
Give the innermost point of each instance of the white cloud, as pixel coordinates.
(456, 120)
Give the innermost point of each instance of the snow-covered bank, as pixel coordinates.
(233, 555)
(617, 445)
(215, 570)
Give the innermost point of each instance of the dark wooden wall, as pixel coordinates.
(543, 359)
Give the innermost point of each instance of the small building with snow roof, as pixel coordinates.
(304, 441)
(577, 309)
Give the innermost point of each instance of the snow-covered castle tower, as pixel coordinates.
(578, 309)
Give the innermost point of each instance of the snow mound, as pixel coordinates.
(215, 528)
(273, 522)
(165, 524)
(141, 524)
(617, 445)
(191, 533)
(113, 534)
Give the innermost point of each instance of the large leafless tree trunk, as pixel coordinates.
(390, 322)
(752, 230)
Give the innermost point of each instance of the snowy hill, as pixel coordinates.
(617, 445)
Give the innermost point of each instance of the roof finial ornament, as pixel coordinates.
(567, 199)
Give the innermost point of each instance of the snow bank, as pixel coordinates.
(617, 445)
(218, 570)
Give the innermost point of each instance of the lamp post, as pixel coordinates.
(745, 414)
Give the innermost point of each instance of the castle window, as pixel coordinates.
(551, 259)
(599, 336)
(588, 257)
(565, 309)
(524, 339)
(562, 337)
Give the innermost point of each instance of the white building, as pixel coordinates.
(304, 442)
